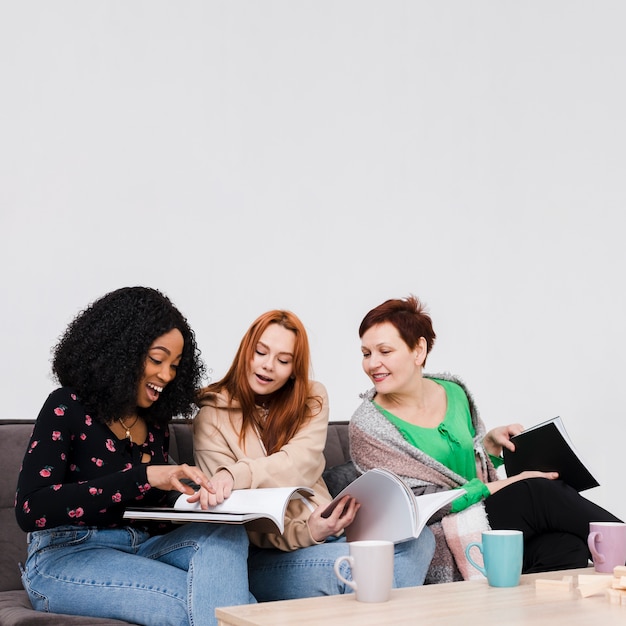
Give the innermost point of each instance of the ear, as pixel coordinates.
(421, 351)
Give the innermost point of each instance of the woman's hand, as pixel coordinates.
(167, 477)
(496, 485)
(500, 437)
(220, 488)
(343, 515)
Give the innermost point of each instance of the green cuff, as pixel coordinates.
(496, 460)
(475, 490)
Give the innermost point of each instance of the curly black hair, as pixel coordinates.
(102, 355)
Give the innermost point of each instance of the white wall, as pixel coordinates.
(322, 157)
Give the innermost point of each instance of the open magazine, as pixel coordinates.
(261, 509)
(389, 509)
(547, 447)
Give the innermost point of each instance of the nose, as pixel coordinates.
(374, 362)
(267, 364)
(166, 374)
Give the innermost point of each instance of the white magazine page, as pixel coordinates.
(271, 500)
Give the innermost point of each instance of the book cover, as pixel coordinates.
(547, 447)
(262, 510)
(389, 509)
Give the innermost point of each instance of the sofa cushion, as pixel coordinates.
(14, 437)
(337, 449)
(181, 441)
(338, 477)
(15, 610)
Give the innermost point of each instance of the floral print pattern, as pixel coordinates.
(75, 471)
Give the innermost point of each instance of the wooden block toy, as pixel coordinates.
(614, 596)
(549, 584)
(595, 579)
(592, 589)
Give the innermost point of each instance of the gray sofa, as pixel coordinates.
(15, 608)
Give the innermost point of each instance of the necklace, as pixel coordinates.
(263, 404)
(127, 428)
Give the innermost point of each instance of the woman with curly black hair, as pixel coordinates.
(126, 365)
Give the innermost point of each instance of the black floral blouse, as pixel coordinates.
(76, 471)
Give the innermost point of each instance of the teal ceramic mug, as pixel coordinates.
(502, 552)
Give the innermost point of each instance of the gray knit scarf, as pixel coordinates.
(376, 442)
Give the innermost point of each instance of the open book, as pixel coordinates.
(389, 509)
(262, 510)
(547, 447)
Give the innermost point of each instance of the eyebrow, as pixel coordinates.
(164, 349)
(378, 345)
(260, 343)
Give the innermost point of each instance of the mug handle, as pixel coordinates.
(591, 542)
(482, 570)
(338, 562)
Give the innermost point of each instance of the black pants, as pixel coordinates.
(554, 519)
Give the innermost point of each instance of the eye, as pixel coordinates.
(155, 361)
(366, 355)
(260, 353)
(283, 362)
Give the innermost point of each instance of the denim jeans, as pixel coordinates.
(308, 572)
(175, 579)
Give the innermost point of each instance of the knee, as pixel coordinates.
(420, 550)
(544, 488)
(234, 534)
(211, 535)
(555, 551)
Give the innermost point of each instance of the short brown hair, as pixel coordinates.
(409, 317)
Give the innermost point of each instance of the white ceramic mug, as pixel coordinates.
(371, 564)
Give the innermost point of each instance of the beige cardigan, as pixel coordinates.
(299, 463)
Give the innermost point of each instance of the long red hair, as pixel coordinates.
(288, 407)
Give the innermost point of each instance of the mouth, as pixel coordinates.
(264, 379)
(154, 391)
(379, 377)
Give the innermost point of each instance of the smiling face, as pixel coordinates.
(160, 368)
(272, 361)
(388, 361)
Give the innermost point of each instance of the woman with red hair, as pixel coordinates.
(264, 425)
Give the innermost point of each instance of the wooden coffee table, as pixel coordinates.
(469, 603)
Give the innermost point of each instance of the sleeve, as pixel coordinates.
(475, 489)
(51, 489)
(496, 460)
(299, 462)
(296, 534)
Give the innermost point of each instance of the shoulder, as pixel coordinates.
(62, 401)
(62, 411)
(67, 393)
(317, 401)
(366, 408)
(317, 389)
(216, 400)
(216, 414)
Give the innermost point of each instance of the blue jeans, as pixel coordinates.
(308, 572)
(175, 579)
